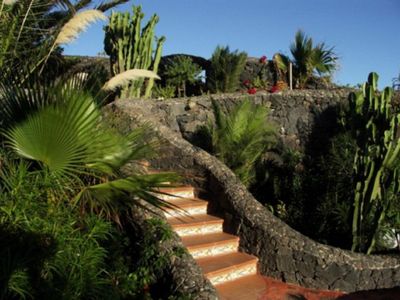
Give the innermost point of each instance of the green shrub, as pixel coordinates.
(279, 176)
(53, 250)
(327, 191)
(311, 192)
(240, 137)
(48, 250)
(166, 92)
(181, 71)
(226, 67)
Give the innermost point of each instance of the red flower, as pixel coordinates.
(252, 91)
(274, 89)
(263, 59)
(246, 82)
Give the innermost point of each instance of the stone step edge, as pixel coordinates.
(232, 272)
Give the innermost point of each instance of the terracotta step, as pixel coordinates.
(197, 224)
(223, 268)
(176, 193)
(251, 287)
(211, 244)
(186, 206)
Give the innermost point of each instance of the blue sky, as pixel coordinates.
(365, 33)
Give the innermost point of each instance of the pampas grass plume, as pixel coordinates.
(126, 77)
(9, 2)
(77, 24)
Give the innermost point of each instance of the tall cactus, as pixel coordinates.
(131, 47)
(376, 164)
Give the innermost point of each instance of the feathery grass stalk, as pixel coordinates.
(126, 77)
(73, 28)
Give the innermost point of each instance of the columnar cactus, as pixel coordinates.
(376, 164)
(131, 47)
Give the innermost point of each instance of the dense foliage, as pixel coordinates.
(181, 71)
(342, 190)
(225, 70)
(240, 137)
(65, 194)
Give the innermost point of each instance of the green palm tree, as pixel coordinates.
(241, 137)
(307, 59)
(225, 69)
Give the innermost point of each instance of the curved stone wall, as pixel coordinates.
(295, 113)
(283, 252)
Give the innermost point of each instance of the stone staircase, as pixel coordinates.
(233, 273)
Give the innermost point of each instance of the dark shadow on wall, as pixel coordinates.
(327, 187)
(381, 294)
(311, 190)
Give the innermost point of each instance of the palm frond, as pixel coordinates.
(58, 136)
(106, 5)
(282, 62)
(111, 197)
(241, 137)
(324, 59)
(126, 77)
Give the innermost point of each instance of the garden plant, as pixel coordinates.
(225, 70)
(307, 60)
(65, 194)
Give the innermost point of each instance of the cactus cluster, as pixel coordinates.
(376, 130)
(131, 47)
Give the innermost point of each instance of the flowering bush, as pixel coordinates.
(274, 89)
(246, 83)
(252, 91)
(263, 59)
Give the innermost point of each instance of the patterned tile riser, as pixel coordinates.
(214, 250)
(189, 211)
(177, 195)
(204, 229)
(240, 272)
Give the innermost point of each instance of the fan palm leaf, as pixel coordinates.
(111, 197)
(60, 136)
(69, 142)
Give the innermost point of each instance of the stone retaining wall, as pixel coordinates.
(283, 252)
(295, 113)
